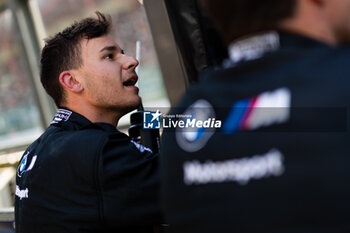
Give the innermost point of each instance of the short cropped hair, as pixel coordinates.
(63, 52)
(235, 18)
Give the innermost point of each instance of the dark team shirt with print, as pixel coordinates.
(81, 176)
(279, 162)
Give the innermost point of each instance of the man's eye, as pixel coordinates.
(109, 57)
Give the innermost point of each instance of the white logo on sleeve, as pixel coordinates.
(140, 147)
(21, 193)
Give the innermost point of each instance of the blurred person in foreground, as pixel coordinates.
(274, 156)
(83, 175)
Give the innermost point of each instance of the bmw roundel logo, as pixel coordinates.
(194, 139)
(22, 165)
(25, 164)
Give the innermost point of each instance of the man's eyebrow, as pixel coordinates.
(109, 48)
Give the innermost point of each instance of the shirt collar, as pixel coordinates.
(64, 115)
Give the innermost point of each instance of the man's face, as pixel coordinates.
(338, 13)
(108, 76)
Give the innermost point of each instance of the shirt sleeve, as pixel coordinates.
(129, 184)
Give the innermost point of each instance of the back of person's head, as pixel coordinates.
(63, 52)
(235, 18)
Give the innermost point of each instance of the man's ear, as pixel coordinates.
(69, 81)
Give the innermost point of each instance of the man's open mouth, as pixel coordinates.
(130, 82)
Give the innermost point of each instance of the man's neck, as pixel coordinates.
(310, 21)
(96, 115)
(322, 35)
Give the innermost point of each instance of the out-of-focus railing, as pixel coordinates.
(7, 217)
(7, 214)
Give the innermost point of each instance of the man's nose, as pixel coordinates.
(130, 63)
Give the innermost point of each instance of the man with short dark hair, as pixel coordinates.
(276, 159)
(83, 175)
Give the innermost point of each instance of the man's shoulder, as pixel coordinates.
(91, 135)
(67, 152)
(284, 63)
(57, 142)
(316, 71)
